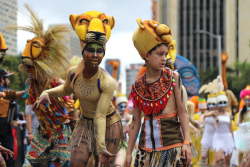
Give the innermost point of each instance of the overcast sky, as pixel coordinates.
(120, 44)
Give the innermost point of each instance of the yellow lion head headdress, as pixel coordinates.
(3, 48)
(92, 26)
(150, 34)
(46, 52)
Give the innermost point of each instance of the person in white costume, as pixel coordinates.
(223, 142)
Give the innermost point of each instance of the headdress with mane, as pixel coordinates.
(46, 52)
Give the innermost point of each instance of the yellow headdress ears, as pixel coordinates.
(140, 24)
(2, 43)
(149, 34)
(73, 19)
(112, 21)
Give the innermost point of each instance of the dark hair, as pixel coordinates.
(243, 112)
(154, 48)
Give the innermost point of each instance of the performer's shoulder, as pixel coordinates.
(105, 74)
(72, 69)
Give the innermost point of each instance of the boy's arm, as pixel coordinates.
(183, 116)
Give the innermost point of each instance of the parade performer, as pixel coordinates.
(223, 142)
(3, 48)
(99, 130)
(241, 140)
(41, 58)
(121, 102)
(158, 93)
(209, 130)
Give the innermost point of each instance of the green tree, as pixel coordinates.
(11, 63)
(237, 78)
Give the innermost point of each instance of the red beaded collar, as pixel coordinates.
(153, 98)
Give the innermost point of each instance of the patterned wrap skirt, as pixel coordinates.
(47, 151)
(2, 162)
(165, 158)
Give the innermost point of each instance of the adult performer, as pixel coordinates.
(240, 136)
(223, 143)
(209, 130)
(158, 93)
(99, 129)
(41, 58)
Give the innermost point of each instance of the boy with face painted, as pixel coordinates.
(158, 93)
(99, 129)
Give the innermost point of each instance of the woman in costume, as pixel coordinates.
(223, 142)
(240, 136)
(158, 93)
(99, 130)
(41, 58)
(209, 129)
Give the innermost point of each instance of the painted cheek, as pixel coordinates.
(88, 56)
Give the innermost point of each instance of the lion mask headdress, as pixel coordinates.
(46, 52)
(92, 26)
(149, 34)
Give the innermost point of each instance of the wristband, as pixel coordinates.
(187, 142)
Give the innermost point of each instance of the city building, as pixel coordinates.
(131, 74)
(72, 41)
(8, 16)
(228, 18)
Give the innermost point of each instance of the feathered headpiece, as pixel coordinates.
(221, 94)
(47, 51)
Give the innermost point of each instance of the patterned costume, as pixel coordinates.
(98, 123)
(43, 55)
(156, 146)
(50, 142)
(2, 162)
(89, 92)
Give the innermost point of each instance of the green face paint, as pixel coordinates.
(94, 48)
(94, 53)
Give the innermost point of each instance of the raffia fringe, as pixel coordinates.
(86, 126)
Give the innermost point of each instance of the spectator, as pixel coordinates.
(8, 112)
(31, 122)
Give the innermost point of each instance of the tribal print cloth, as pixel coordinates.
(166, 158)
(45, 151)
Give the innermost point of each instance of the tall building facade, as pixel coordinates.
(72, 41)
(8, 16)
(228, 18)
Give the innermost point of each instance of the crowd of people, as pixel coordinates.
(84, 119)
